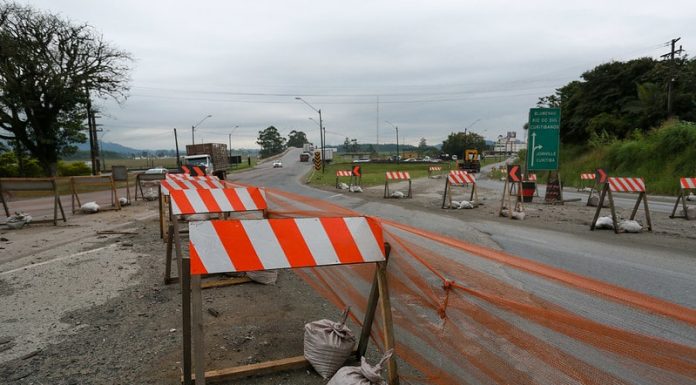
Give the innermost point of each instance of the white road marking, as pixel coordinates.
(55, 260)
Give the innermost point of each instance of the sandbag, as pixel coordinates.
(89, 208)
(150, 194)
(604, 223)
(630, 226)
(266, 277)
(519, 215)
(691, 197)
(356, 189)
(397, 194)
(365, 374)
(594, 201)
(343, 186)
(465, 205)
(328, 344)
(123, 201)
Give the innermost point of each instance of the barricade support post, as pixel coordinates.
(622, 184)
(397, 175)
(98, 180)
(209, 259)
(8, 185)
(686, 186)
(120, 174)
(142, 177)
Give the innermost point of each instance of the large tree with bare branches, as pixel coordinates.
(48, 69)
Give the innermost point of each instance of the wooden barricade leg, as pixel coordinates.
(613, 209)
(161, 214)
(410, 195)
(336, 182)
(386, 188)
(445, 194)
(635, 207)
(4, 204)
(197, 329)
(676, 205)
(186, 318)
(369, 317)
(474, 195)
(383, 288)
(74, 195)
(647, 212)
(599, 208)
(168, 258)
(502, 201)
(518, 204)
(115, 201)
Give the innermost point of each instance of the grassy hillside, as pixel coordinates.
(661, 157)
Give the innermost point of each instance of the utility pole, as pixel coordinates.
(92, 134)
(670, 55)
(176, 144)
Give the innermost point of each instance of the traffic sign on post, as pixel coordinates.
(514, 173)
(357, 171)
(543, 139)
(317, 160)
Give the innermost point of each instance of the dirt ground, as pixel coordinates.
(80, 307)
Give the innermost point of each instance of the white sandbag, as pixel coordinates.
(150, 194)
(593, 201)
(365, 374)
(356, 189)
(397, 194)
(266, 277)
(89, 208)
(505, 213)
(630, 226)
(466, 205)
(328, 344)
(343, 186)
(21, 216)
(123, 201)
(690, 211)
(604, 223)
(691, 197)
(519, 215)
(587, 189)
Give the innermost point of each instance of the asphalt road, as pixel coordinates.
(628, 261)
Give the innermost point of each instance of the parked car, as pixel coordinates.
(157, 170)
(277, 164)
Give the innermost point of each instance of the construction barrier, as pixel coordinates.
(687, 185)
(623, 184)
(193, 170)
(141, 178)
(434, 171)
(459, 178)
(120, 174)
(586, 180)
(77, 182)
(353, 179)
(470, 314)
(9, 185)
(258, 245)
(396, 175)
(206, 201)
(514, 177)
(174, 182)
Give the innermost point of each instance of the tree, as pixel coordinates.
(297, 139)
(346, 145)
(270, 141)
(456, 144)
(48, 69)
(422, 147)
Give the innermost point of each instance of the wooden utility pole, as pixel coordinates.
(92, 135)
(670, 55)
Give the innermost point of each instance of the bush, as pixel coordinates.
(73, 169)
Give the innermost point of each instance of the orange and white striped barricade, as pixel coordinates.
(398, 176)
(587, 179)
(532, 177)
(257, 245)
(344, 173)
(207, 201)
(623, 184)
(434, 172)
(99, 180)
(459, 178)
(8, 185)
(183, 182)
(687, 185)
(193, 170)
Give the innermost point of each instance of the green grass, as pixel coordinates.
(373, 173)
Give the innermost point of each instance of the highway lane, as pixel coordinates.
(655, 269)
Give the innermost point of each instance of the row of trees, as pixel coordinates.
(272, 142)
(615, 99)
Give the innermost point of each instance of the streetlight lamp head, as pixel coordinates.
(298, 98)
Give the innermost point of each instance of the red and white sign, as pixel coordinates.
(251, 245)
(217, 200)
(344, 173)
(532, 177)
(621, 184)
(187, 184)
(688, 183)
(402, 175)
(435, 168)
(460, 177)
(191, 177)
(587, 176)
(195, 170)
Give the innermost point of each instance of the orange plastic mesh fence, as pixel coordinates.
(468, 314)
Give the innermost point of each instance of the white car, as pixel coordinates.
(157, 170)
(277, 164)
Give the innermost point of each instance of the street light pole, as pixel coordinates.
(322, 132)
(193, 128)
(230, 139)
(397, 140)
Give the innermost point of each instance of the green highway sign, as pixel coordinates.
(543, 139)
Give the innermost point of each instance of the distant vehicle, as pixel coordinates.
(361, 161)
(410, 160)
(471, 162)
(277, 164)
(157, 170)
(304, 157)
(308, 147)
(213, 156)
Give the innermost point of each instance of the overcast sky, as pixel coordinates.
(429, 67)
